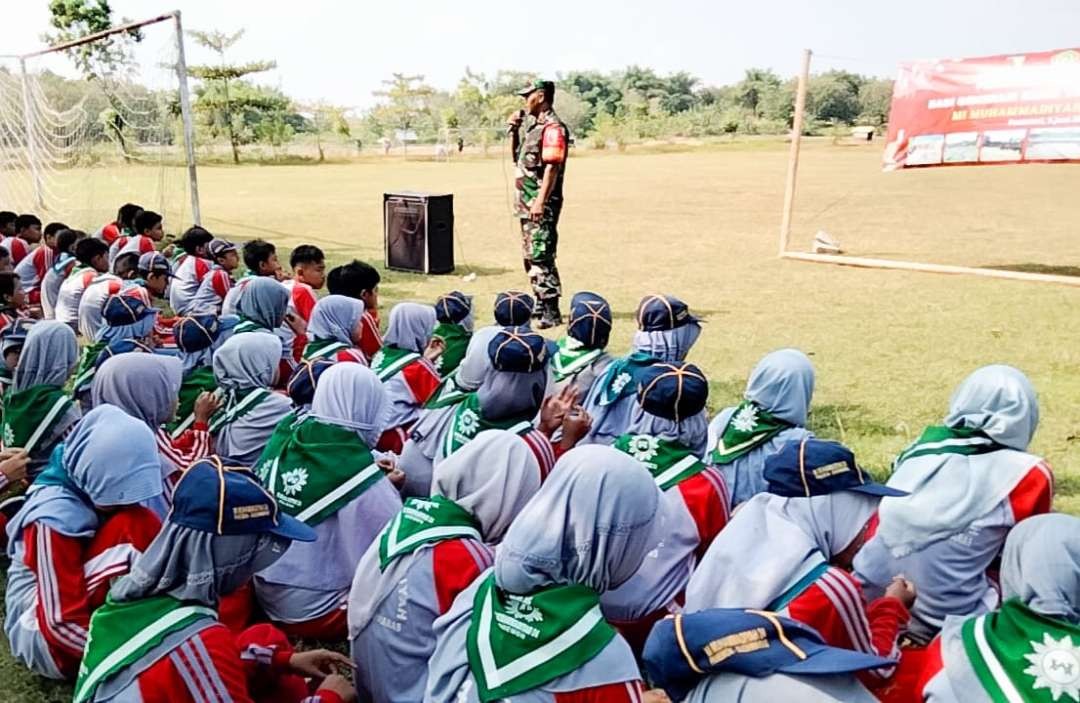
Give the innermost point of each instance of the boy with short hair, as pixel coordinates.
(54, 277)
(32, 268)
(261, 259)
(190, 268)
(360, 280)
(92, 256)
(215, 285)
(123, 278)
(148, 232)
(12, 301)
(7, 223)
(308, 264)
(122, 226)
(27, 232)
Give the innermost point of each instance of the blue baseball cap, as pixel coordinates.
(659, 313)
(453, 307)
(590, 320)
(121, 346)
(229, 500)
(673, 391)
(513, 308)
(121, 309)
(196, 332)
(219, 247)
(817, 467)
(304, 378)
(518, 350)
(683, 649)
(15, 335)
(155, 262)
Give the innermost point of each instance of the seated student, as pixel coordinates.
(12, 301)
(970, 481)
(586, 531)
(64, 263)
(308, 264)
(196, 337)
(470, 373)
(322, 472)
(128, 319)
(92, 256)
(190, 267)
(12, 340)
(124, 278)
(81, 526)
(148, 232)
(33, 267)
(246, 367)
(37, 413)
(454, 328)
(162, 615)
(730, 655)
(211, 292)
(261, 259)
(146, 386)
(5, 261)
(773, 412)
(508, 398)
(303, 382)
(1026, 649)
(335, 329)
(360, 281)
(7, 224)
(667, 435)
(513, 309)
(813, 520)
(155, 272)
(263, 307)
(27, 233)
(430, 552)
(122, 226)
(666, 332)
(405, 367)
(581, 356)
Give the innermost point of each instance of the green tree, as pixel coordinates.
(326, 119)
(875, 99)
(74, 19)
(226, 106)
(752, 90)
(407, 102)
(834, 97)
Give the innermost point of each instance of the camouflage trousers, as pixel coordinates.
(539, 243)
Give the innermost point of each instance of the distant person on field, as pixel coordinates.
(27, 233)
(215, 285)
(32, 268)
(122, 226)
(360, 281)
(64, 262)
(541, 165)
(190, 268)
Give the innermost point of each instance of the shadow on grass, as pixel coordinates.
(1037, 268)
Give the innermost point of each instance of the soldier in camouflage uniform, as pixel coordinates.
(541, 162)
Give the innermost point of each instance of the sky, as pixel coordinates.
(340, 51)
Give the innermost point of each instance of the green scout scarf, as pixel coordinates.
(422, 521)
(456, 340)
(313, 469)
(750, 427)
(620, 379)
(29, 414)
(389, 360)
(84, 372)
(1021, 656)
(571, 357)
(670, 463)
(122, 633)
(236, 405)
(6, 379)
(517, 643)
(200, 380)
(322, 348)
(938, 439)
(447, 393)
(246, 325)
(469, 422)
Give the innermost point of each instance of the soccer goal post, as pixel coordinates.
(100, 120)
(788, 216)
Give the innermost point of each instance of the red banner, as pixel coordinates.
(999, 109)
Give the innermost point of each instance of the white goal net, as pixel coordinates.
(93, 124)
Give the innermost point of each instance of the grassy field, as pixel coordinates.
(888, 346)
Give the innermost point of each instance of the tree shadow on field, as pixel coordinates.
(1036, 268)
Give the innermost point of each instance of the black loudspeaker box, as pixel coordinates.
(418, 230)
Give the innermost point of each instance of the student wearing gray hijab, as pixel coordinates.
(37, 413)
(262, 305)
(246, 369)
(586, 531)
(773, 412)
(1027, 649)
(158, 633)
(404, 365)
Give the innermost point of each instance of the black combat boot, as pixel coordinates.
(550, 315)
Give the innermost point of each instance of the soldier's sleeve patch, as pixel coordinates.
(553, 149)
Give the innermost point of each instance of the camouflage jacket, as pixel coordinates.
(546, 142)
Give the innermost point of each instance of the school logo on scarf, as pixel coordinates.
(1055, 664)
(750, 427)
(292, 482)
(467, 423)
(423, 521)
(670, 463)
